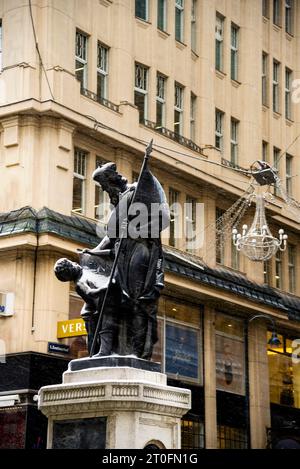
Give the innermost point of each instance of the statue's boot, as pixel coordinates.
(106, 341)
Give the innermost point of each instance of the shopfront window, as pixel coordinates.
(230, 354)
(12, 428)
(192, 433)
(231, 437)
(284, 374)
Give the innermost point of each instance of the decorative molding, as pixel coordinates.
(125, 391)
(106, 3)
(170, 396)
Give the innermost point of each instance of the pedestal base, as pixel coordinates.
(113, 407)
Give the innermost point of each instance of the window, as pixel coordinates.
(194, 25)
(292, 267)
(234, 51)
(265, 75)
(174, 216)
(276, 71)
(284, 373)
(160, 100)
(235, 257)
(266, 8)
(179, 12)
(230, 354)
(81, 58)
(288, 102)
(190, 222)
(162, 14)
(234, 141)
(265, 151)
(267, 272)
(276, 160)
(232, 437)
(102, 70)
(220, 237)
(79, 178)
(289, 16)
(276, 12)
(192, 432)
(102, 203)
(178, 109)
(219, 41)
(219, 130)
(141, 90)
(0, 45)
(278, 269)
(192, 116)
(141, 9)
(288, 174)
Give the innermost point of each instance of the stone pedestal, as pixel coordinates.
(113, 407)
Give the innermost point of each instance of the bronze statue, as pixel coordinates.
(121, 279)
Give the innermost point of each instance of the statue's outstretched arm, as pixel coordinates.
(103, 248)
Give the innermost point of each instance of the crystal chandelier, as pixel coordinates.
(257, 242)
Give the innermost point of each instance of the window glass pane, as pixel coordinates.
(284, 379)
(12, 428)
(192, 433)
(139, 101)
(161, 14)
(141, 9)
(77, 195)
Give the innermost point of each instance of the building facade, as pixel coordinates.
(214, 84)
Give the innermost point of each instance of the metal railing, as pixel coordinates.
(105, 102)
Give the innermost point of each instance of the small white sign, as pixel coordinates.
(7, 301)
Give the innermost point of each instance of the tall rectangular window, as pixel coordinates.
(102, 70)
(178, 109)
(265, 151)
(219, 130)
(219, 33)
(81, 57)
(277, 12)
(276, 157)
(288, 93)
(220, 237)
(278, 269)
(174, 216)
(292, 267)
(234, 51)
(141, 9)
(141, 90)
(190, 221)
(79, 178)
(160, 100)
(289, 15)
(264, 84)
(234, 128)
(276, 75)
(266, 8)
(0, 45)
(194, 26)
(289, 174)
(179, 19)
(101, 207)
(267, 272)
(193, 116)
(162, 15)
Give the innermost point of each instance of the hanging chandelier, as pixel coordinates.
(257, 242)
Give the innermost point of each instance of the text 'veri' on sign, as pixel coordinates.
(71, 328)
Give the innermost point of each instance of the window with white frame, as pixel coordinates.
(179, 19)
(162, 14)
(234, 127)
(264, 84)
(278, 269)
(266, 8)
(219, 130)
(277, 12)
(288, 174)
(174, 216)
(178, 109)
(292, 267)
(190, 222)
(81, 58)
(219, 35)
(276, 75)
(289, 14)
(141, 9)
(141, 90)
(194, 25)
(234, 51)
(288, 94)
(276, 160)
(0, 45)
(102, 203)
(102, 70)
(79, 180)
(193, 116)
(160, 100)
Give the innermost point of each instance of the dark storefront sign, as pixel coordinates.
(53, 347)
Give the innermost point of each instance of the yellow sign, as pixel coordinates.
(71, 328)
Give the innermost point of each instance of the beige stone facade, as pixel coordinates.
(46, 114)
